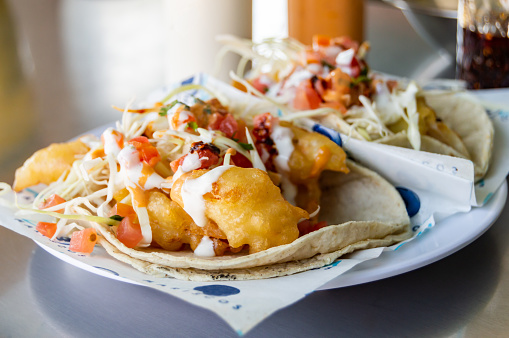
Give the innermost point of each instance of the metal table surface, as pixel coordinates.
(465, 294)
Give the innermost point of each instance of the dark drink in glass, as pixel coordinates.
(483, 46)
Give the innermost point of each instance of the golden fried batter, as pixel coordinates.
(312, 154)
(310, 148)
(172, 226)
(248, 208)
(48, 164)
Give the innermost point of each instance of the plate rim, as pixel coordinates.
(494, 207)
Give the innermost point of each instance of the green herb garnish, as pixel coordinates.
(164, 110)
(246, 146)
(117, 218)
(193, 125)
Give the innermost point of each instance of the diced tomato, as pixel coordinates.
(259, 85)
(229, 126)
(321, 41)
(241, 161)
(83, 241)
(123, 210)
(129, 232)
(305, 226)
(262, 126)
(47, 229)
(207, 153)
(306, 97)
(207, 158)
(355, 67)
(52, 201)
(174, 165)
(214, 121)
(224, 123)
(148, 153)
(139, 141)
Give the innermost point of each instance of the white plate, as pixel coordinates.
(445, 238)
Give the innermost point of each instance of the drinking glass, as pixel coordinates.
(482, 57)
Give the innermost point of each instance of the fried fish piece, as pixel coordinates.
(48, 164)
(313, 153)
(247, 207)
(172, 227)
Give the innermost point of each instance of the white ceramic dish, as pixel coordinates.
(445, 238)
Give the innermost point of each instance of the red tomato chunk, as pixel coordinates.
(129, 232)
(47, 229)
(83, 241)
(52, 201)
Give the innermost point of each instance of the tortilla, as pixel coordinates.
(468, 118)
(460, 112)
(367, 212)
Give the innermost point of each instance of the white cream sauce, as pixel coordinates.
(282, 138)
(205, 248)
(111, 145)
(193, 190)
(132, 170)
(191, 162)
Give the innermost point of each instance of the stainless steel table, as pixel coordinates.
(465, 294)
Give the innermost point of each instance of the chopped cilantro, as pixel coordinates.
(193, 125)
(246, 146)
(164, 110)
(117, 218)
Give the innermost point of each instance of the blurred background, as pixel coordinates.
(64, 63)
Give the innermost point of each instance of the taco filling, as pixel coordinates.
(180, 185)
(332, 78)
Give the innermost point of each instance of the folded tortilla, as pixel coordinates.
(365, 211)
(468, 118)
(461, 113)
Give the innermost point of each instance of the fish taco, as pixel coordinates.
(190, 190)
(331, 82)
